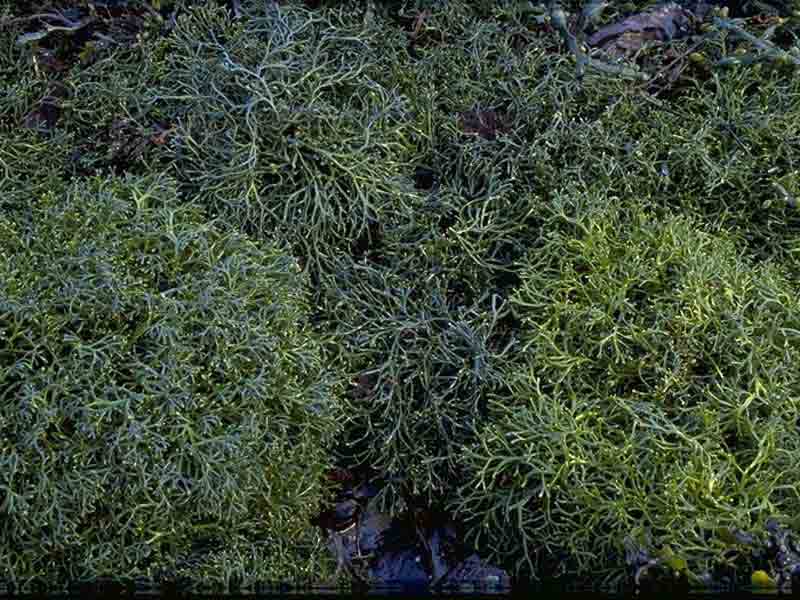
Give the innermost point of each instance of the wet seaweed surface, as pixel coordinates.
(512, 287)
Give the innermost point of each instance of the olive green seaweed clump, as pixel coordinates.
(656, 399)
(426, 363)
(282, 124)
(163, 407)
(317, 126)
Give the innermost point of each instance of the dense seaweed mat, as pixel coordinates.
(159, 390)
(429, 244)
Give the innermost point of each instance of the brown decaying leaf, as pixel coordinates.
(663, 22)
(47, 112)
(160, 138)
(419, 22)
(486, 123)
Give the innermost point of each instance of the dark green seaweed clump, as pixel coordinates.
(656, 399)
(428, 166)
(283, 125)
(163, 406)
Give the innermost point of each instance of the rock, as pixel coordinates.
(380, 550)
